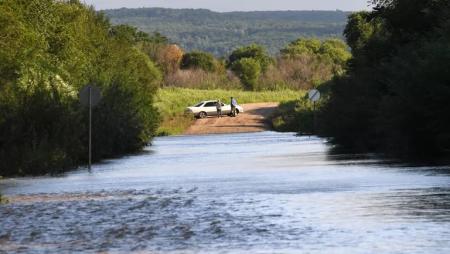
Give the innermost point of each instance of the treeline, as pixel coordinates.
(221, 33)
(49, 50)
(300, 65)
(395, 96)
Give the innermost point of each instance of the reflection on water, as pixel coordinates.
(244, 193)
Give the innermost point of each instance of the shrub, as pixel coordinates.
(248, 70)
(295, 116)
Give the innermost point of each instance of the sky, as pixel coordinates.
(235, 5)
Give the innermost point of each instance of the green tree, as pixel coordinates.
(255, 52)
(133, 35)
(49, 51)
(302, 46)
(360, 28)
(394, 94)
(334, 50)
(199, 60)
(317, 60)
(248, 70)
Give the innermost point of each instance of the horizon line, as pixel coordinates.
(217, 11)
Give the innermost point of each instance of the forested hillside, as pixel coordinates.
(220, 33)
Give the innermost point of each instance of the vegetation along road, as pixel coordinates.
(254, 119)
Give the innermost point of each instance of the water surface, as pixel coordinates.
(241, 193)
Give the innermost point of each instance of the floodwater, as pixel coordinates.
(241, 193)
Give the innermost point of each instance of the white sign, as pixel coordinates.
(314, 95)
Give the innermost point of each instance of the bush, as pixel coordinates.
(295, 116)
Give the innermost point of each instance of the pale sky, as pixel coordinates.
(235, 5)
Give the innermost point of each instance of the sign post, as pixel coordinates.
(90, 96)
(314, 96)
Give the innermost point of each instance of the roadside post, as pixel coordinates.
(90, 96)
(314, 96)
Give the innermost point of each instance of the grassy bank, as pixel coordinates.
(171, 102)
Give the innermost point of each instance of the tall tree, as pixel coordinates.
(253, 51)
(393, 98)
(49, 50)
(199, 60)
(248, 70)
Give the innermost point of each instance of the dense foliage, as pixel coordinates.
(394, 98)
(334, 51)
(296, 115)
(252, 68)
(253, 51)
(221, 33)
(200, 60)
(248, 70)
(248, 63)
(306, 63)
(48, 51)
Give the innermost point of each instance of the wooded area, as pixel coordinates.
(49, 50)
(392, 96)
(221, 33)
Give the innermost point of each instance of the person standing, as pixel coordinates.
(233, 107)
(219, 108)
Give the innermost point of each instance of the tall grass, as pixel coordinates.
(171, 103)
(200, 79)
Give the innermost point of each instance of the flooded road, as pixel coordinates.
(236, 193)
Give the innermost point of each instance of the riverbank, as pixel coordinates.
(254, 119)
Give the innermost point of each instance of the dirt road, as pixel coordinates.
(252, 120)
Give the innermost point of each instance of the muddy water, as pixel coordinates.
(243, 193)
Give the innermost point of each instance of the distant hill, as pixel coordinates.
(220, 33)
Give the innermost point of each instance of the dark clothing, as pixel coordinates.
(233, 107)
(219, 109)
